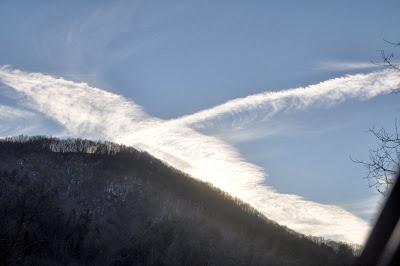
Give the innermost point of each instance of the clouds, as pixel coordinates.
(93, 113)
(14, 120)
(10, 113)
(79, 109)
(346, 65)
(333, 91)
(368, 208)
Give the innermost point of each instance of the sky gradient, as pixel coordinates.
(181, 58)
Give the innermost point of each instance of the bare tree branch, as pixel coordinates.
(384, 160)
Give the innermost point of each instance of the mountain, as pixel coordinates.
(79, 202)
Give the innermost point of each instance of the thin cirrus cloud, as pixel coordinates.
(13, 119)
(333, 65)
(9, 113)
(89, 112)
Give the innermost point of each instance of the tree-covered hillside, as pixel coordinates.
(78, 202)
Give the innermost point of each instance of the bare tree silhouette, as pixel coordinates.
(384, 160)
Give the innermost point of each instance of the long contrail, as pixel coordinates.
(93, 113)
(333, 91)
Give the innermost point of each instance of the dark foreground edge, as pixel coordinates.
(383, 245)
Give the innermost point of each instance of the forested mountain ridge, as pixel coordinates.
(80, 202)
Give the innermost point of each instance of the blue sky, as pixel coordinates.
(175, 58)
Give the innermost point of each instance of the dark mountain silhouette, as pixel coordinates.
(78, 202)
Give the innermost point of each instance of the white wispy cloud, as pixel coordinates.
(261, 106)
(73, 105)
(369, 208)
(93, 113)
(346, 65)
(8, 112)
(13, 119)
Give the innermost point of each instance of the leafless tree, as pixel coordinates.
(384, 160)
(388, 57)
